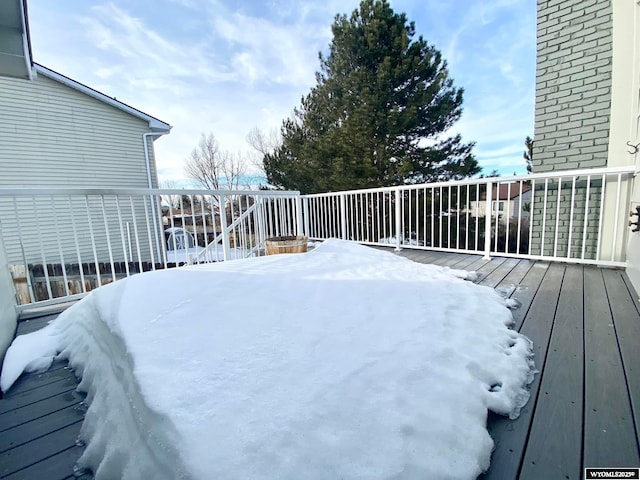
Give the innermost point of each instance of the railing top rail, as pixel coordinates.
(19, 192)
(583, 172)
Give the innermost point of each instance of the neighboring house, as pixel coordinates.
(198, 221)
(507, 201)
(57, 132)
(587, 110)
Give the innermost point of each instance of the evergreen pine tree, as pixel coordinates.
(377, 115)
(528, 154)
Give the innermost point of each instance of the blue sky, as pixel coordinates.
(226, 66)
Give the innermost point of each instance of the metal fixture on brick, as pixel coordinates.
(635, 224)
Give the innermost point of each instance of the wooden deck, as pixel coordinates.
(584, 406)
(40, 420)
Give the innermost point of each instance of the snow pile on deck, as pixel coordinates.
(345, 362)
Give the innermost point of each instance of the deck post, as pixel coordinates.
(262, 229)
(343, 217)
(398, 221)
(487, 222)
(226, 250)
(305, 207)
(299, 219)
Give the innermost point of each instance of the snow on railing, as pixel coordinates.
(573, 216)
(62, 243)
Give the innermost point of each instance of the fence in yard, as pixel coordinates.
(66, 242)
(574, 216)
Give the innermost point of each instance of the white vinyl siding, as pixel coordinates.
(54, 136)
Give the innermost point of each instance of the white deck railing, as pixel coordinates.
(62, 243)
(572, 216)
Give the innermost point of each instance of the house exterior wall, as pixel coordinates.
(572, 117)
(54, 136)
(625, 112)
(573, 84)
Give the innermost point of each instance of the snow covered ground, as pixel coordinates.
(215, 253)
(345, 362)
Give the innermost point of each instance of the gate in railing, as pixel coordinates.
(573, 216)
(61, 243)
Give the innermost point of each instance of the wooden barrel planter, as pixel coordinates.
(289, 244)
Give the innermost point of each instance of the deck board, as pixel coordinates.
(25, 455)
(584, 324)
(554, 445)
(471, 263)
(510, 437)
(627, 327)
(13, 401)
(31, 325)
(486, 269)
(609, 436)
(55, 467)
(494, 278)
(526, 291)
(26, 413)
(41, 426)
(58, 370)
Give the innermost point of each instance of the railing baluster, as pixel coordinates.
(124, 244)
(449, 217)
(573, 196)
(467, 208)
(520, 199)
(555, 240)
(531, 206)
(458, 218)
(151, 249)
(62, 262)
(108, 237)
(16, 215)
(367, 212)
(432, 237)
(135, 233)
(544, 215)
(617, 218)
(487, 221)
(477, 246)
(398, 219)
(343, 216)
(497, 213)
(440, 219)
(507, 217)
(93, 242)
(424, 221)
(77, 245)
(409, 215)
(226, 248)
(42, 254)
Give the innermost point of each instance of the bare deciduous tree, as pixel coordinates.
(263, 143)
(213, 168)
(170, 200)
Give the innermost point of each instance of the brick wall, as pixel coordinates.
(573, 84)
(573, 101)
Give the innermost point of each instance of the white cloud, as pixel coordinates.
(224, 67)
